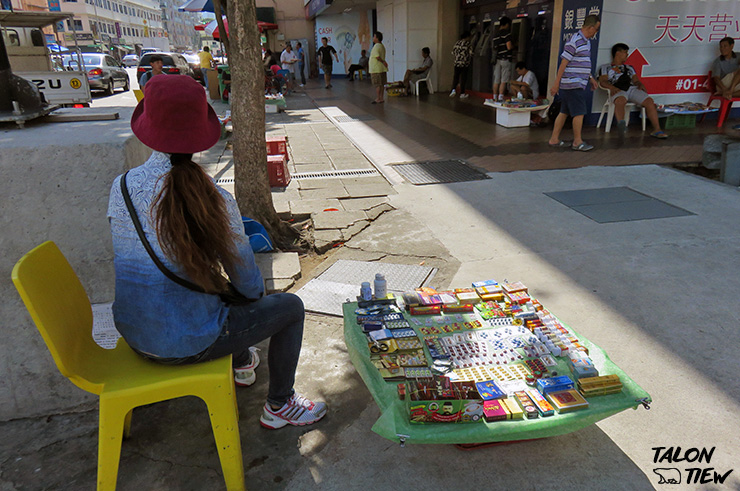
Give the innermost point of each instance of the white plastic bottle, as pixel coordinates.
(380, 287)
(365, 292)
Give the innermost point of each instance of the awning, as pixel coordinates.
(197, 6)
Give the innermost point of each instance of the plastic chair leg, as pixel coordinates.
(110, 434)
(644, 118)
(601, 116)
(723, 112)
(430, 87)
(127, 425)
(609, 118)
(225, 424)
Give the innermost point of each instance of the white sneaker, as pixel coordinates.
(245, 376)
(464, 96)
(302, 85)
(298, 411)
(452, 94)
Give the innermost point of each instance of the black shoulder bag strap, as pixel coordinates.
(135, 218)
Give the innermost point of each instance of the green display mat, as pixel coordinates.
(394, 424)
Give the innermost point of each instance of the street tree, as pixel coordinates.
(248, 118)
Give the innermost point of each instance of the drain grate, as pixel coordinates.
(341, 283)
(617, 204)
(438, 172)
(336, 174)
(353, 119)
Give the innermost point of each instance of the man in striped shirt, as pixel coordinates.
(573, 76)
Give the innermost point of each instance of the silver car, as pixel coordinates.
(131, 60)
(103, 71)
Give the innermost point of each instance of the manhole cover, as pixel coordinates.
(336, 174)
(438, 172)
(353, 119)
(617, 204)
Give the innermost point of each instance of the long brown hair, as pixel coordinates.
(192, 224)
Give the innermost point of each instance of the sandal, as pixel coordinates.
(660, 135)
(560, 144)
(583, 147)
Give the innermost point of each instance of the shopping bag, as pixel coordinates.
(259, 239)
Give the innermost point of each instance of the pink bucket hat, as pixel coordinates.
(175, 117)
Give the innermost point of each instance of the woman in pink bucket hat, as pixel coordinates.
(187, 286)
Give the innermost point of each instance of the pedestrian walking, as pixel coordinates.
(463, 53)
(156, 63)
(206, 62)
(573, 77)
(378, 67)
(194, 229)
(301, 62)
(288, 59)
(324, 55)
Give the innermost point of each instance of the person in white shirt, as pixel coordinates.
(526, 83)
(288, 59)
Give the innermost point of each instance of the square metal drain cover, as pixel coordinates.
(341, 282)
(353, 119)
(617, 204)
(438, 172)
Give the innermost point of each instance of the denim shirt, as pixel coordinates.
(154, 314)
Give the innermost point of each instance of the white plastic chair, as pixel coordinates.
(427, 79)
(609, 109)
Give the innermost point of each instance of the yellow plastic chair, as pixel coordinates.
(139, 94)
(124, 380)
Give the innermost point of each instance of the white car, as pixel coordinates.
(131, 60)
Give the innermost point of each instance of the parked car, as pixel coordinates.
(194, 62)
(144, 51)
(172, 63)
(131, 60)
(103, 71)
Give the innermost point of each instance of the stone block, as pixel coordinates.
(329, 235)
(354, 229)
(278, 285)
(326, 193)
(278, 265)
(363, 203)
(336, 219)
(309, 206)
(369, 190)
(374, 212)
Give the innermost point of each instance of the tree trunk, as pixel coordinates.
(223, 35)
(248, 117)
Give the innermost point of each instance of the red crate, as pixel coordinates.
(277, 145)
(277, 170)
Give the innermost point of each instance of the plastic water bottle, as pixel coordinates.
(365, 292)
(380, 287)
(519, 95)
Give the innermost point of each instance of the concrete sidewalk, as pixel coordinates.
(659, 296)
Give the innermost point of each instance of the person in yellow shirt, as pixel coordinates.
(378, 67)
(206, 62)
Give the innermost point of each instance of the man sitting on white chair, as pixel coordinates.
(412, 75)
(625, 86)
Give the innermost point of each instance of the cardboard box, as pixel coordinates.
(214, 91)
(277, 170)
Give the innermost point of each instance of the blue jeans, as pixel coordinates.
(301, 67)
(204, 71)
(278, 317)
